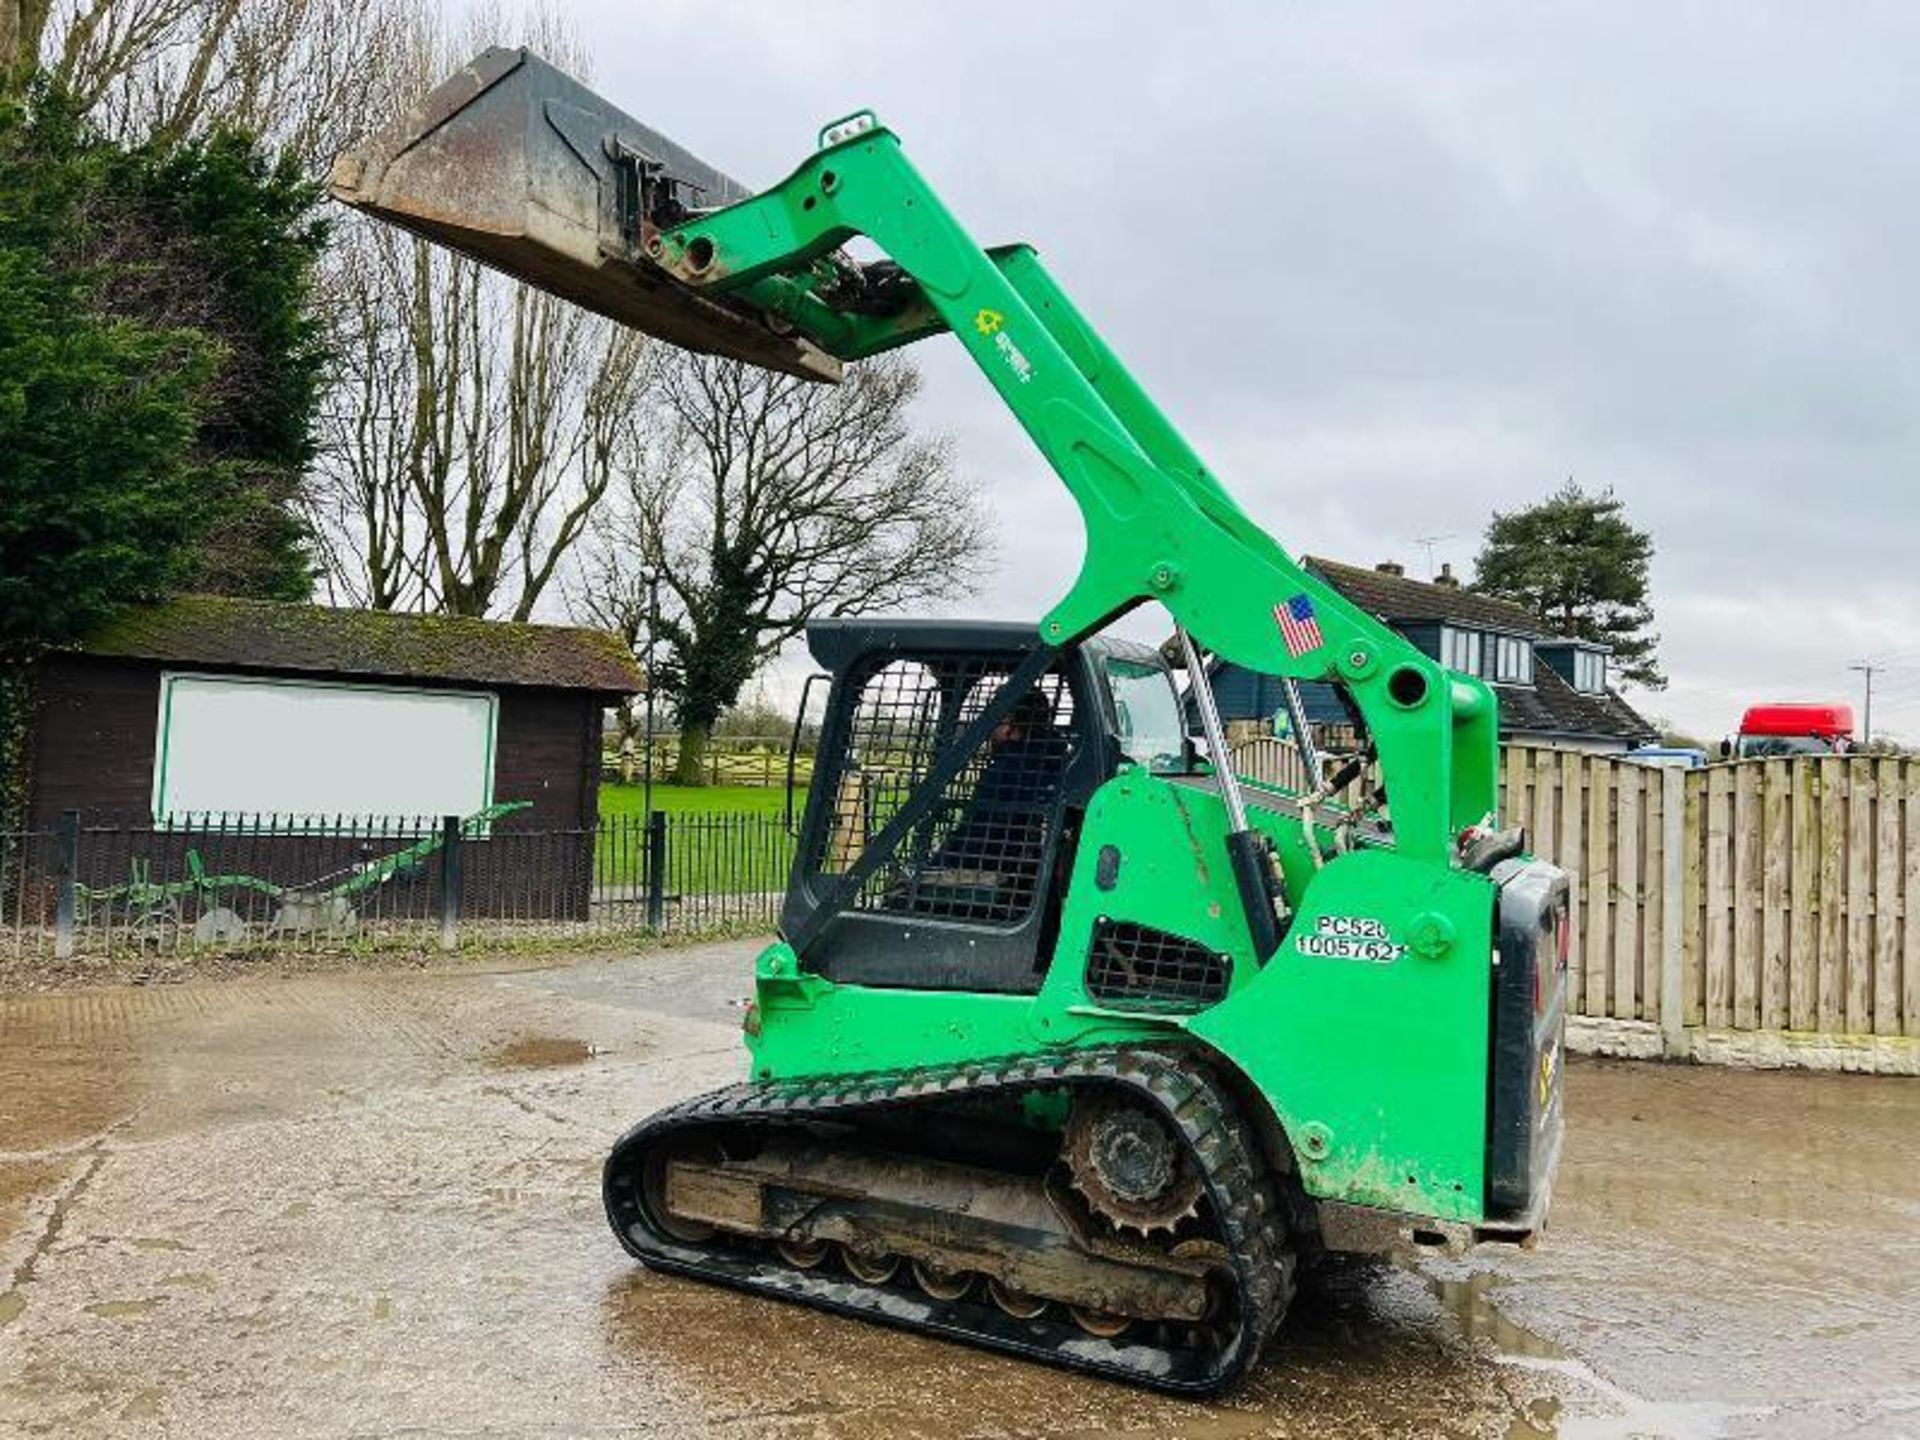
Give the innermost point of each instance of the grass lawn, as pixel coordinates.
(721, 839)
(617, 800)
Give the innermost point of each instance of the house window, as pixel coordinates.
(1590, 672)
(1512, 660)
(1460, 650)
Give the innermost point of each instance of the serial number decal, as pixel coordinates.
(1350, 937)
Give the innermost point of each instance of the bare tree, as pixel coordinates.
(764, 501)
(475, 427)
(306, 76)
(477, 423)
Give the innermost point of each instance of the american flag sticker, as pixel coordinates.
(1298, 626)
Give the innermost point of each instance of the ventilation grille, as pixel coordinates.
(1137, 965)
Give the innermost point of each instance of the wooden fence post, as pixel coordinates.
(1673, 869)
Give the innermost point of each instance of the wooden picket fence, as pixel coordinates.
(1758, 896)
(730, 760)
(1763, 895)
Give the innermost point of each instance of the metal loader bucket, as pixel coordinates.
(518, 165)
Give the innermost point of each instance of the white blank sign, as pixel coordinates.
(233, 745)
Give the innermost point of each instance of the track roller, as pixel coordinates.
(1017, 1303)
(802, 1254)
(872, 1268)
(1099, 1323)
(940, 1283)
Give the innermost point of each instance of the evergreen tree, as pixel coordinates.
(100, 495)
(159, 373)
(227, 243)
(1578, 565)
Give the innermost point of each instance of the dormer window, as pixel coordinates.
(1512, 660)
(1590, 672)
(1460, 650)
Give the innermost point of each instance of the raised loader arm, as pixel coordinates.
(767, 275)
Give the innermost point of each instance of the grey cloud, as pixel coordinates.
(1393, 267)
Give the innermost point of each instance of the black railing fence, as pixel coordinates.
(273, 882)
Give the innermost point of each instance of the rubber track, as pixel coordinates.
(1197, 1107)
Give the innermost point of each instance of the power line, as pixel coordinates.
(1904, 687)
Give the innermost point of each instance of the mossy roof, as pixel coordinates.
(319, 640)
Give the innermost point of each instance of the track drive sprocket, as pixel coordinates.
(1128, 1166)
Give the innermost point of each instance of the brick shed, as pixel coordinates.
(207, 704)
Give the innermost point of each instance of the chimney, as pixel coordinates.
(1446, 577)
(1391, 567)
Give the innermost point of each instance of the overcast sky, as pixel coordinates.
(1457, 253)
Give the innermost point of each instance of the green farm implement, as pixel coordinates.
(1073, 1043)
(326, 904)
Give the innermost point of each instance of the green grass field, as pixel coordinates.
(618, 800)
(721, 839)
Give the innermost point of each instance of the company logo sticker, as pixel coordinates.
(992, 324)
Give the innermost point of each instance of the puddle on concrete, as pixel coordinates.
(11, 1304)
(122, 1309)
(1635, 1417)
(1469, 1300)
(190, 1280)
(536, 1052)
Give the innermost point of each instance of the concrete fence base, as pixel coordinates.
(1746, 1049)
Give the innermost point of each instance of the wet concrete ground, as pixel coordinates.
(366, 1204)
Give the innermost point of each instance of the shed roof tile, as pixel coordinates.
(317, 639)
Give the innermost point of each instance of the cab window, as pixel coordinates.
(1147, 715)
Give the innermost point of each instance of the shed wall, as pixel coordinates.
(97, 721)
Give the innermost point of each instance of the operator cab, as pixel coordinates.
(929, 862)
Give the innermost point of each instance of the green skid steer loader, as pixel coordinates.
(1074, 1044)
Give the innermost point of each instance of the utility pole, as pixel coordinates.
(1866, 668)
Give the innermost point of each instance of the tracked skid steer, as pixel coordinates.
(1074, 1042)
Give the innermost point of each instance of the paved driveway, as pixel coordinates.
(366, 1204)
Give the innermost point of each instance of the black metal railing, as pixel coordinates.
(230, 882)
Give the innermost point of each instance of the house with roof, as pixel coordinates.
(1553, 689)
